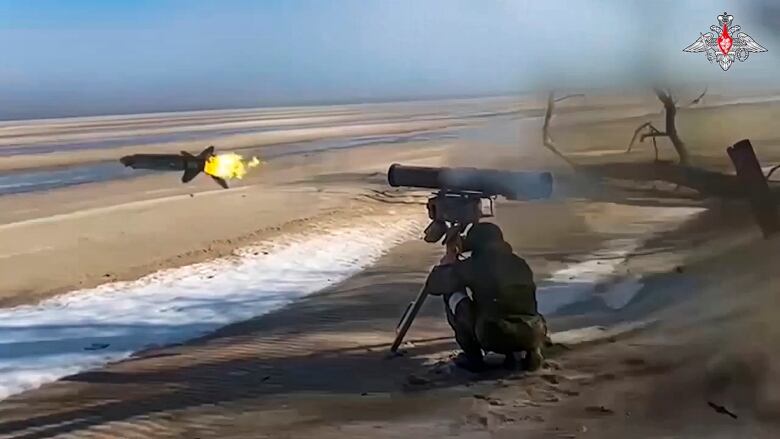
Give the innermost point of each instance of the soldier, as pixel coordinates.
(501, 314)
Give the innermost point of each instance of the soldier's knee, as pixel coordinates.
(459, 307)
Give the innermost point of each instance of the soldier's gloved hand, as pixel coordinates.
(431, 286)
(440, 280)
(448, 259)
(454, 245)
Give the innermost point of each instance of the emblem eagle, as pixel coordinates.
(725, 43)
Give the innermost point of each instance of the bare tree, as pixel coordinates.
(670, 110)
(547, 140)
(653, 133)
(573, 95)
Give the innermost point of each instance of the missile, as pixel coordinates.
(191, 165)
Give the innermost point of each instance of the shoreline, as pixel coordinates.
(236, 143)
(215, 249)
(330, 107)
(91, 234)
(111, 322)
(651, 298)
(303, 356)
(113, 347)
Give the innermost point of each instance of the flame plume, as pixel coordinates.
(229, 165)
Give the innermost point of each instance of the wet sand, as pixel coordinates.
(61, 142)
(47, 178)
(92, 234)
(319, 367)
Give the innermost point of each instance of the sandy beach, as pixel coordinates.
(278, 298)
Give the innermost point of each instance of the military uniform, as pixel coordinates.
(501, 314)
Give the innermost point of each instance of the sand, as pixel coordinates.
(60, 142)
(91, 234)
(121, 230)
(319, 367)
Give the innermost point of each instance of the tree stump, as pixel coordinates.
(756, 187)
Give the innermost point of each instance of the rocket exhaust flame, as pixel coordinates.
(220, 167)
(229, 166)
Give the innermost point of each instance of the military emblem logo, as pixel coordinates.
(725, 43)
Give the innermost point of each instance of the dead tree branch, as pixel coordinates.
(653, 132)
(670, 110)
(698, 98)
(547, 140)
(670, 107)
(771, 171)
(574, 95)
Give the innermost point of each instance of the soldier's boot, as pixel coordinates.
(472, 362)
(533, 359)
(460, 315)
(510, 361)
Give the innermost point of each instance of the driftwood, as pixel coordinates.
(722, 410)
(698, 98)
(706, 182)
(573, 95)
(547, 140)
(771, 171)
(756, 187)
(653, 133)
(671, 128)
(670, 110)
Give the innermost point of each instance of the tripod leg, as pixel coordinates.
(408, 318)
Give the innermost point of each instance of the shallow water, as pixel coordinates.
(46, 179)
(17, 182)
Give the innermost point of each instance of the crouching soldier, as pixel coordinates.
(501, 313)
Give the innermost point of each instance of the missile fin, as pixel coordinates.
(189, 174)
(206, 153)
(221, 182)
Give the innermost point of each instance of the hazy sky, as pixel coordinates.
(117, 56)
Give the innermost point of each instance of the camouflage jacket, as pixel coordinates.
(501, 283)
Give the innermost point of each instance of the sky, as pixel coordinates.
(77, 57)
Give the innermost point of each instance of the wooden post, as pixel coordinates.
(756, 188)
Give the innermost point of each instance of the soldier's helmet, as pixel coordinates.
(482, 235)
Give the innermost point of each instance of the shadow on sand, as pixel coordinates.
(264, 359)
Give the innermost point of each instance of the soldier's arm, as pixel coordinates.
(524, 273)
(466, 273)
(445, 279)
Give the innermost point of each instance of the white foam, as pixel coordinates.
(88, 328)
(580, 282)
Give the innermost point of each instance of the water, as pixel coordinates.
(184, 135)
(47, 179)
